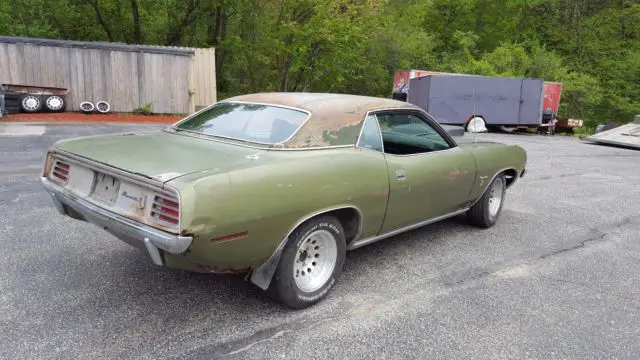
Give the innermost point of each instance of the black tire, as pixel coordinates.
(283, 287)
(12, 109)
(480, 214)
(11, 102)
(55, 103)
(31, 103)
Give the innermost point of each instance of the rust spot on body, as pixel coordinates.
(220, 270)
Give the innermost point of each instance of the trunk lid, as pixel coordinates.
(157, 154)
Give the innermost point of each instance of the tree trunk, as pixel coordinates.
(105, 26)
(136, 22)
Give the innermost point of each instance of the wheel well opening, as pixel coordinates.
(350, 220)
(474, 116)
(510, 176)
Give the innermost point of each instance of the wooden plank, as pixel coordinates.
(117, 93)
(16, 61)
(5, 69)
(191, 84)
(76, 81)
(96, 73)
(32, 65)
(87, 95)
(178, 86)
(46, 66)
(181, 89)
(206, 91)
(106, 73)
(123, 84)
(184, 103)
(135, 80)
(202, 83)
(148, 73)
(159, 105)
(62, 70)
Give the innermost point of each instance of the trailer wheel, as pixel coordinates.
(30, 103)
(476, 124)
(55, 103)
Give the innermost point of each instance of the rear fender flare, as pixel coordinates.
(262, 275)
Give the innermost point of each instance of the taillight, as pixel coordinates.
(60, 171)
(166, 208)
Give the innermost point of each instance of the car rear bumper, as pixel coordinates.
(154, 241)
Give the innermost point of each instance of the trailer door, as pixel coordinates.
(497, 99)
(447, 98)
(531, 101)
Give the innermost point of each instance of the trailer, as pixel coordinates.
(26, 98)
(476, 102)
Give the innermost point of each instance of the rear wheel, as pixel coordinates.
(487, 210)
(310, 264)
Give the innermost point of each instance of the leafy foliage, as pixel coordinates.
(354, 46)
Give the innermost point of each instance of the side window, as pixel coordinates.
(406, 134)
(370, 137)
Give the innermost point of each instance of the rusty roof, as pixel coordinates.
(335, 119)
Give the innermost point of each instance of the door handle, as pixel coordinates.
(401, 175)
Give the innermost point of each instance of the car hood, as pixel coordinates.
(159, 155)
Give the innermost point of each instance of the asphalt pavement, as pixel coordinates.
(556, 278)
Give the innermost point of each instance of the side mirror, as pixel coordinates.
(453, 130)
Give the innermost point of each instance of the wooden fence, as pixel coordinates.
(172, 82)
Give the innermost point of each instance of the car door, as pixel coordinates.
(429, 175)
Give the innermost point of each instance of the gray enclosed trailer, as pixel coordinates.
(497, 101)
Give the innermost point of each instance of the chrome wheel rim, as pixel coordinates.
(103, 106)
(495, 197)
(86, 106)
(31, 102)
(54, 103)
(315, 260)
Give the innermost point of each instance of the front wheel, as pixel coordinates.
(486, 211)
(310, 264)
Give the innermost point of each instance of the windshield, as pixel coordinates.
(259, 123)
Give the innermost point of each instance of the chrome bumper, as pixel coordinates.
(127, 230)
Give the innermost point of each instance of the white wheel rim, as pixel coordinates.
(315, 260)
(31, 102)
(495, 197)
(54, 103)
(476, 125)
(86, 106)
(103, 106)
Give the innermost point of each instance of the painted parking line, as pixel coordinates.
(22, 130)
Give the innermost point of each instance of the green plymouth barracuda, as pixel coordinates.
(278, 186)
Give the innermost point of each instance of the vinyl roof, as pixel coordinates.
(335, 119)
(99, 45)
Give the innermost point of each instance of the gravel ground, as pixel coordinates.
(557, 278)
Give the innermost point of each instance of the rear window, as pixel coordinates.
(268, 124)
